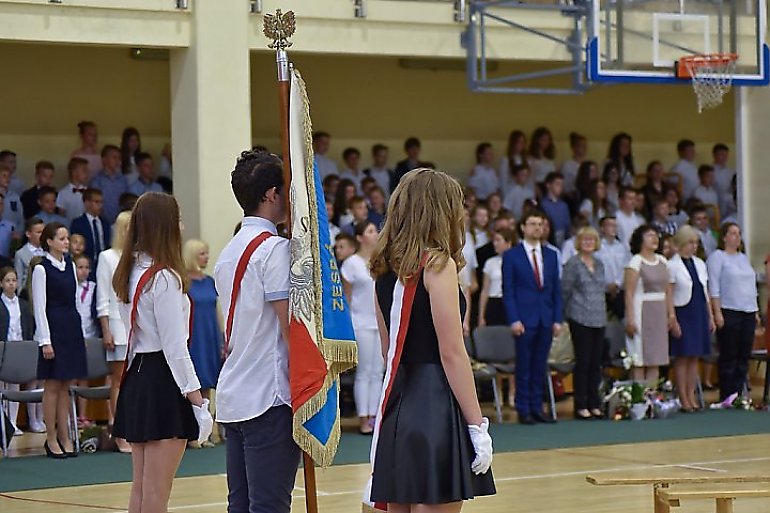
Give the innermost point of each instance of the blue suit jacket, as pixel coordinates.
(83, 227)
(523, 300)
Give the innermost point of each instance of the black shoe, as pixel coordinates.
(73, 454)
(54, 455)
(543, 419)
(526, 420)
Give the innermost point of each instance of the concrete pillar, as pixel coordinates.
(210, 118)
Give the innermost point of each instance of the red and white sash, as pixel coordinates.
(240, 271)
(400, 314)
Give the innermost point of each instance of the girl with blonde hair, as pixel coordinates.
(419, 315)
(108, 314)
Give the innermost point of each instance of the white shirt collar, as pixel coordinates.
(60, 265)
(530, 247)
(10, 300)
(35, 250)
(259, 223)
(143, 260)
(90, 217)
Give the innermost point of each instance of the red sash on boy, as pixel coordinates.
(400, 314)
(143, 281)
(240, 271)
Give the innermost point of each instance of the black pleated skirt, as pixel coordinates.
(150, 406)
(424, 451)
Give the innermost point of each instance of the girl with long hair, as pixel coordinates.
(114, 334)
(620, 154)
(515, 156)
(542, 153)
(434, 457)
(130, 147)
(160, 406)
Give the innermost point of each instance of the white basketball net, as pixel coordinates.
(711, 79)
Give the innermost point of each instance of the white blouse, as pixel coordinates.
(162, 322)
(493, 268)
(362, 310)
(39, 298)
(14, 318)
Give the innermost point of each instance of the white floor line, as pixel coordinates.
(696, 465)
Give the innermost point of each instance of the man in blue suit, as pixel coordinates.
(532, 298)
(93, 227)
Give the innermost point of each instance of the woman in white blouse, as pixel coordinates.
(58, 332)
(733, 290)
(542, 152)
(108, 312)
(160, 407)
(359, 289)
(691, 329)
(484, 179)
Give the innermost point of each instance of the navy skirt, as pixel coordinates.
(424, 452)
(150, 405)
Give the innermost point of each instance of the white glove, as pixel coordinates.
(205, 422)
(482, 445)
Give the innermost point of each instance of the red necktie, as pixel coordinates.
(537, 270)
(85, 292)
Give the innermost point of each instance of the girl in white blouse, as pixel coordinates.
(359, 289)
(160, 406)
(108, 312)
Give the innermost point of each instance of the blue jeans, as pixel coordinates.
(262, 462)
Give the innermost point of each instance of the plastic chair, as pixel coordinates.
(96, 361)
(495, 347)
(484, 372)
(18, 366)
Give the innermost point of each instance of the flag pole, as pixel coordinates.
(279, 28)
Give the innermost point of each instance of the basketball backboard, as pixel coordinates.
(641, 40)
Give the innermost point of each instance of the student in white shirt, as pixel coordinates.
(706, 193)
(627, 218)
(515, 155)
(69, 201)
(723, 177)
(614, 255)
(13, 212)
(484, 179)
(542, 151)
(380, 170)
(478, 228)
(114, 334)
(359, 289)
(326, 166)
(34, 229)
(16, 323)
(150, 283)
(579, 145)
(352, 159)
(699, 219)
(620, 155)
(85, 303)
(518, 191)
(686, 167)
(253, 394)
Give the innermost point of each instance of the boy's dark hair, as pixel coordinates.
(355, 200)
(74, 163)
(320, 135)
(719, 147)
(411, 142)
(7, 153)
(108, 148)
(92, 193)
(703, 169)
(553, 176)
(141, 157)
(361, 227)
(350, 151)
(126, 201)
(45, 190)
(43, 164)
(518, 168)
(255, 173)
(378, 148)
(684, 144)
(346, 236)
(32, 221)
(606, 218)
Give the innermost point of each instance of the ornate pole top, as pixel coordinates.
(279, 27)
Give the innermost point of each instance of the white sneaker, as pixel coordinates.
(37, 427)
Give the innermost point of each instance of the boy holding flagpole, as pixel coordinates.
(253, 394)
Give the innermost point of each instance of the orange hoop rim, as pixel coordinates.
(686, 65)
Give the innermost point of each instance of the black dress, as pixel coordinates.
(69, 361)
(424, 451)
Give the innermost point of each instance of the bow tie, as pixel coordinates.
(80, 190)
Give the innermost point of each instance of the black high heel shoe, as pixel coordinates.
(54, 455)
(73, 454)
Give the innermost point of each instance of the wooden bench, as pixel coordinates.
(662, 478)
(724, 498)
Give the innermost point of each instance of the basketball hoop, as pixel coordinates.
(711, 75)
